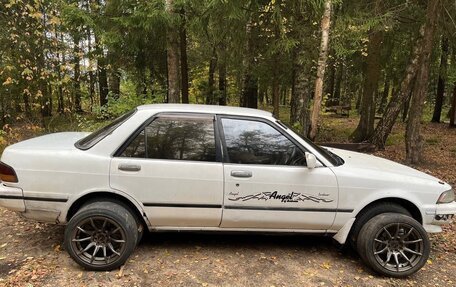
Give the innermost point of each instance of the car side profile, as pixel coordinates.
(211, 168)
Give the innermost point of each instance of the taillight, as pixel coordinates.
(7, 173)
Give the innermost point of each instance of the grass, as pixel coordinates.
(395, 139)
(432, 140)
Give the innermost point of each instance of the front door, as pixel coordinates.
(267, 183)
(171, 166)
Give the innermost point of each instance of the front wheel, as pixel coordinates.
(393, 244)
(101, 236)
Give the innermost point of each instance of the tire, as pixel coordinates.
(101, 235)
(394, 245)
(139, 223)
(370, 212)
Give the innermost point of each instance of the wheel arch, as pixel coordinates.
(407, 204)
(342, 235)
(108, 196)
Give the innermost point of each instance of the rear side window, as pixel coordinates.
(175, 138)
(256, 142)
(95, 137)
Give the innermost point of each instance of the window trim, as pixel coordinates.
(262, 120)
(185, 115)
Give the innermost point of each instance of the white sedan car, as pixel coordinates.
(211, 168)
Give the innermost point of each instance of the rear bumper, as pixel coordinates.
(11, 198)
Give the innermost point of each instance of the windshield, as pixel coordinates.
(95, 137)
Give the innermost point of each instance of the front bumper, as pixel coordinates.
(444, 213)
(11, 198)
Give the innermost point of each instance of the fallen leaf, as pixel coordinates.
(326, 265)
(121, 271)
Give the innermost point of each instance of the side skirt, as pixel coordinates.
(244, 230)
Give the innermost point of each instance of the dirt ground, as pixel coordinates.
(31, 253)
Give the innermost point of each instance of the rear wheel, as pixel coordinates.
(393, 244)
(101, 236)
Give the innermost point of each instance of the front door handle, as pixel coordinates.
(241, 173)
(129, 167)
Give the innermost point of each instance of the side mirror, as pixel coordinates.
(311, 160)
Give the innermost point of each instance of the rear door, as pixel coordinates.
(172, 165)
(267, 183)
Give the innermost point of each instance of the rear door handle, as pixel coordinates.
(241, 173)
(129, 167)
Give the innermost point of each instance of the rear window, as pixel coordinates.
(95, 137)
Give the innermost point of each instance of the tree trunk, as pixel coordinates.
(385, 94)
(266, 96)
(210, 99)
(102, 80)
(261, 95)
(331, 80)
(77, 76)
(249, 97)
(453, 109)
(172, 57)
(372, 74)
(151, 80)
(306, 93)
(284, 95)
(114, 83)
(302, 92)
(42, 65)
(222, 101)
(28, 110)
(46, 99)
(295, 97)
(406, 106)
(325, 25)
(394, 107)
(250, 92)
(90, 72)
(413, 138)
(336, 99)
(441, 83)
(183, 57)
(60, 104)
(275, 97)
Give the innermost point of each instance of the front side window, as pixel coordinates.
(176, 138)
(255, 142)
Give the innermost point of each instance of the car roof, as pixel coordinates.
(207, 109)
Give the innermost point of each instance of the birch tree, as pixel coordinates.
(318, 94)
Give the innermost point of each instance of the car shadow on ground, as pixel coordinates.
(247, 241)
(240, 239)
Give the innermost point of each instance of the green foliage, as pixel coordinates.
(42, 42)
(433, 140)
(395, 139)
(128, 101)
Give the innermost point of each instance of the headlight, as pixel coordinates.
(446, 197)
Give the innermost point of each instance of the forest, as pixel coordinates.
(380, 62)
